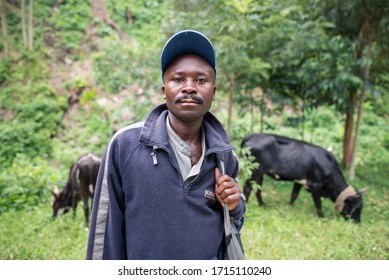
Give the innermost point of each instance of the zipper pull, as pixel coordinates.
(154, 155)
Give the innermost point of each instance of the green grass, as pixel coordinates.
(33, 235)
(282, 232)
(276, 232)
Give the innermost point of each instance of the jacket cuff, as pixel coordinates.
(238, 212)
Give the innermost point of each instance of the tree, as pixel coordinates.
(304, 72)
(23, 17)
(361, 22)
(4, 26)
(30, 26)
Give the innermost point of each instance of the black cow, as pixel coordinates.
(82, 175)
(286, 159)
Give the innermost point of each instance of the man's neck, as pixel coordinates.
(189, 132)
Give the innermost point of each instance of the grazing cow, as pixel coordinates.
(82, 175)
(306, 165)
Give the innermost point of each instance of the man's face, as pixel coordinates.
(189, 87)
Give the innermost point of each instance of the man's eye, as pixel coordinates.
(177, 79)
(201, 80)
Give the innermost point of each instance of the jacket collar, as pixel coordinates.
(154, 131)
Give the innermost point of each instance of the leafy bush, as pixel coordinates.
(26, 183)
(37, 113)
(71, 20)
(113, 66)
(5, 65)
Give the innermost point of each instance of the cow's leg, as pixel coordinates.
(257, 176)
(259, 197)
(74, 204)
(84, 193)
(92, 194)
(247, 186)
(247, 190)
(316, 195)
(259, 180)
(295, 193)
(86, 208)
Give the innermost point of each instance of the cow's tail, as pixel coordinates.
(74, 176)
(244, 145)
(244, 141)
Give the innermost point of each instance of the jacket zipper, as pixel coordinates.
(154, 155)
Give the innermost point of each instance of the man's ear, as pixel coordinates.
(163, 91)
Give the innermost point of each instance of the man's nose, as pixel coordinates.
(189, 86)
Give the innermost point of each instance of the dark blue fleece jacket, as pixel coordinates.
(142, 207)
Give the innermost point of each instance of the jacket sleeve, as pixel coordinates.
(106, 235)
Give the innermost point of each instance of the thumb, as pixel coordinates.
(217, 173)
(217, 176)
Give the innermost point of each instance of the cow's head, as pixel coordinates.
(352, 204)
(60, 203)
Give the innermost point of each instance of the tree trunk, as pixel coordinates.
(348, 141)
(303, 121)
(252, 109)
(360, 108)
(4, 26)
(23, 16)
(230, 103)
(348, 130)
(30, 26)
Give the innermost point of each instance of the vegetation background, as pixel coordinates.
(73, 72)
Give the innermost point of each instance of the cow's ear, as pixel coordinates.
(363, 190)
(55, 192)
(359, 193)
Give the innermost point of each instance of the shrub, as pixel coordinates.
(37, 113)
(25, 183)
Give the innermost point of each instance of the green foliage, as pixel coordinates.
(35, 122)
(113, 66)
(119, 65)
(374, 139)
(246, 165)
(41, 11)
(25, 184)
(28, 67)
(5, 66)
(135, 16)
(71, 20)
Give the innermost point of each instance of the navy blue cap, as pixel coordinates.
(188, 42)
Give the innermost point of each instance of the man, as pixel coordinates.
(159, 194)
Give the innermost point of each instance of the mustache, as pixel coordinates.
(186, 96)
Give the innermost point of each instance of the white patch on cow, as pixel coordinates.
(91, 188)
(302, 182)
(276, 176)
